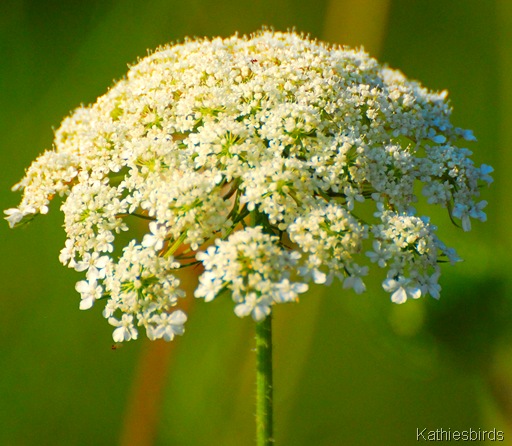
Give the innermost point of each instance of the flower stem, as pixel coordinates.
(264, 390)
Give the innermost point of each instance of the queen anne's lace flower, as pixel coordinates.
(254, 268)
(272, 147)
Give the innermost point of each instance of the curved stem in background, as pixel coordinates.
(264, 386)
(144, 405)
(140, 426)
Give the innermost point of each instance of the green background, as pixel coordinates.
(349, 370)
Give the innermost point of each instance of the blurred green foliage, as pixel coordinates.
(349, 370)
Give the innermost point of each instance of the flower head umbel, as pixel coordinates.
(253, 156)
(254, 267)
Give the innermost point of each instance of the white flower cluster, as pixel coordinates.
(254, 268)
(257, 157)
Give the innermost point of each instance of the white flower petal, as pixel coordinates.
(399, 296)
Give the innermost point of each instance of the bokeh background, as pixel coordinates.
(349, 369)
